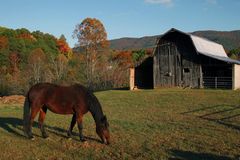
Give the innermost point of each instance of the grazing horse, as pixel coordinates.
(75, 99)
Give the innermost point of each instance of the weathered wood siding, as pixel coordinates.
(176, 63)
(167, 65)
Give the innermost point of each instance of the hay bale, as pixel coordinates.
(13, 99)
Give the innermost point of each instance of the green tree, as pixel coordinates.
(234, 53)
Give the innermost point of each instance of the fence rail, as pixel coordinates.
(217, 82)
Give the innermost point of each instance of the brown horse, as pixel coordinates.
(75, 99)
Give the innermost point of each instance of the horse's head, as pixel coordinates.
(103, 131)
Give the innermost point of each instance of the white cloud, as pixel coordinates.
(164, 2)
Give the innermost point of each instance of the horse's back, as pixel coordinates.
(40, 90)
(59, 99)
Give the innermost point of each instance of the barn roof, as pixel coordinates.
(206, 47)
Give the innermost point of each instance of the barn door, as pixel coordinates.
(167, 67)
(186, 73)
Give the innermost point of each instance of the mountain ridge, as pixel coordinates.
(229, 39)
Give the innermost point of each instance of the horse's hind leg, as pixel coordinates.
(80, 127)
(41, 118)
(73, 122)
(34, 111)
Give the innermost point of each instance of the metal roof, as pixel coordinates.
(206, 47)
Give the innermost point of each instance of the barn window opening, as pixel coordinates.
(186, 70)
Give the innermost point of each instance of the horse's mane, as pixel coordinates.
(93, 104)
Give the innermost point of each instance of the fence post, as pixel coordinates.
(132, 78)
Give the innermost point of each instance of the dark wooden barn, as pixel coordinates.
(184, 60)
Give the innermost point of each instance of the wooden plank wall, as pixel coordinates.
(176, 64)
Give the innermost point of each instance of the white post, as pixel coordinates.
(132, 78)
(235, 76)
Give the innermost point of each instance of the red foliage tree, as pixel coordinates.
(3, 42)
(64, 47)
(124, 58)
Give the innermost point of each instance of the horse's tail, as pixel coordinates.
(26, 114)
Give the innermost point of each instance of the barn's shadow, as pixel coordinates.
(210, 114)
(189, 155)
(15, 127)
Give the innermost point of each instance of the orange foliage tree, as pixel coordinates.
(64, 47)
(124, 59)
(92, 39)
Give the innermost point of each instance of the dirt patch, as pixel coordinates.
(14, 99)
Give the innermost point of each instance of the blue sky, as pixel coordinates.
(121, 18)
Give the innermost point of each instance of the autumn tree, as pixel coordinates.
(59, 67)
(123, 58)
(14, 59)
(64, 47)
(92, 39)
(3, 42)
(37, 62)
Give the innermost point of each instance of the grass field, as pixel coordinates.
(144, 124)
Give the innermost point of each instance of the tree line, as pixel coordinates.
(27, 58)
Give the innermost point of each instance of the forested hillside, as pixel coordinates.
(22, 42)
(28, 57)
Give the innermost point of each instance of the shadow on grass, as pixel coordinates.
(222, 121)
(189, 155)
(15, 126)
(211, 107)
(12, 125)
(63, 133)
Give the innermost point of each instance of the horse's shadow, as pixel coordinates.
(15, 126)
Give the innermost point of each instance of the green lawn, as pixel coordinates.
(144, 124)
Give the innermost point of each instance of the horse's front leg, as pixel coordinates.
(73, 122)
(41, 118)
(80, 127)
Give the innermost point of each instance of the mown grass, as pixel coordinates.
(145, 124)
